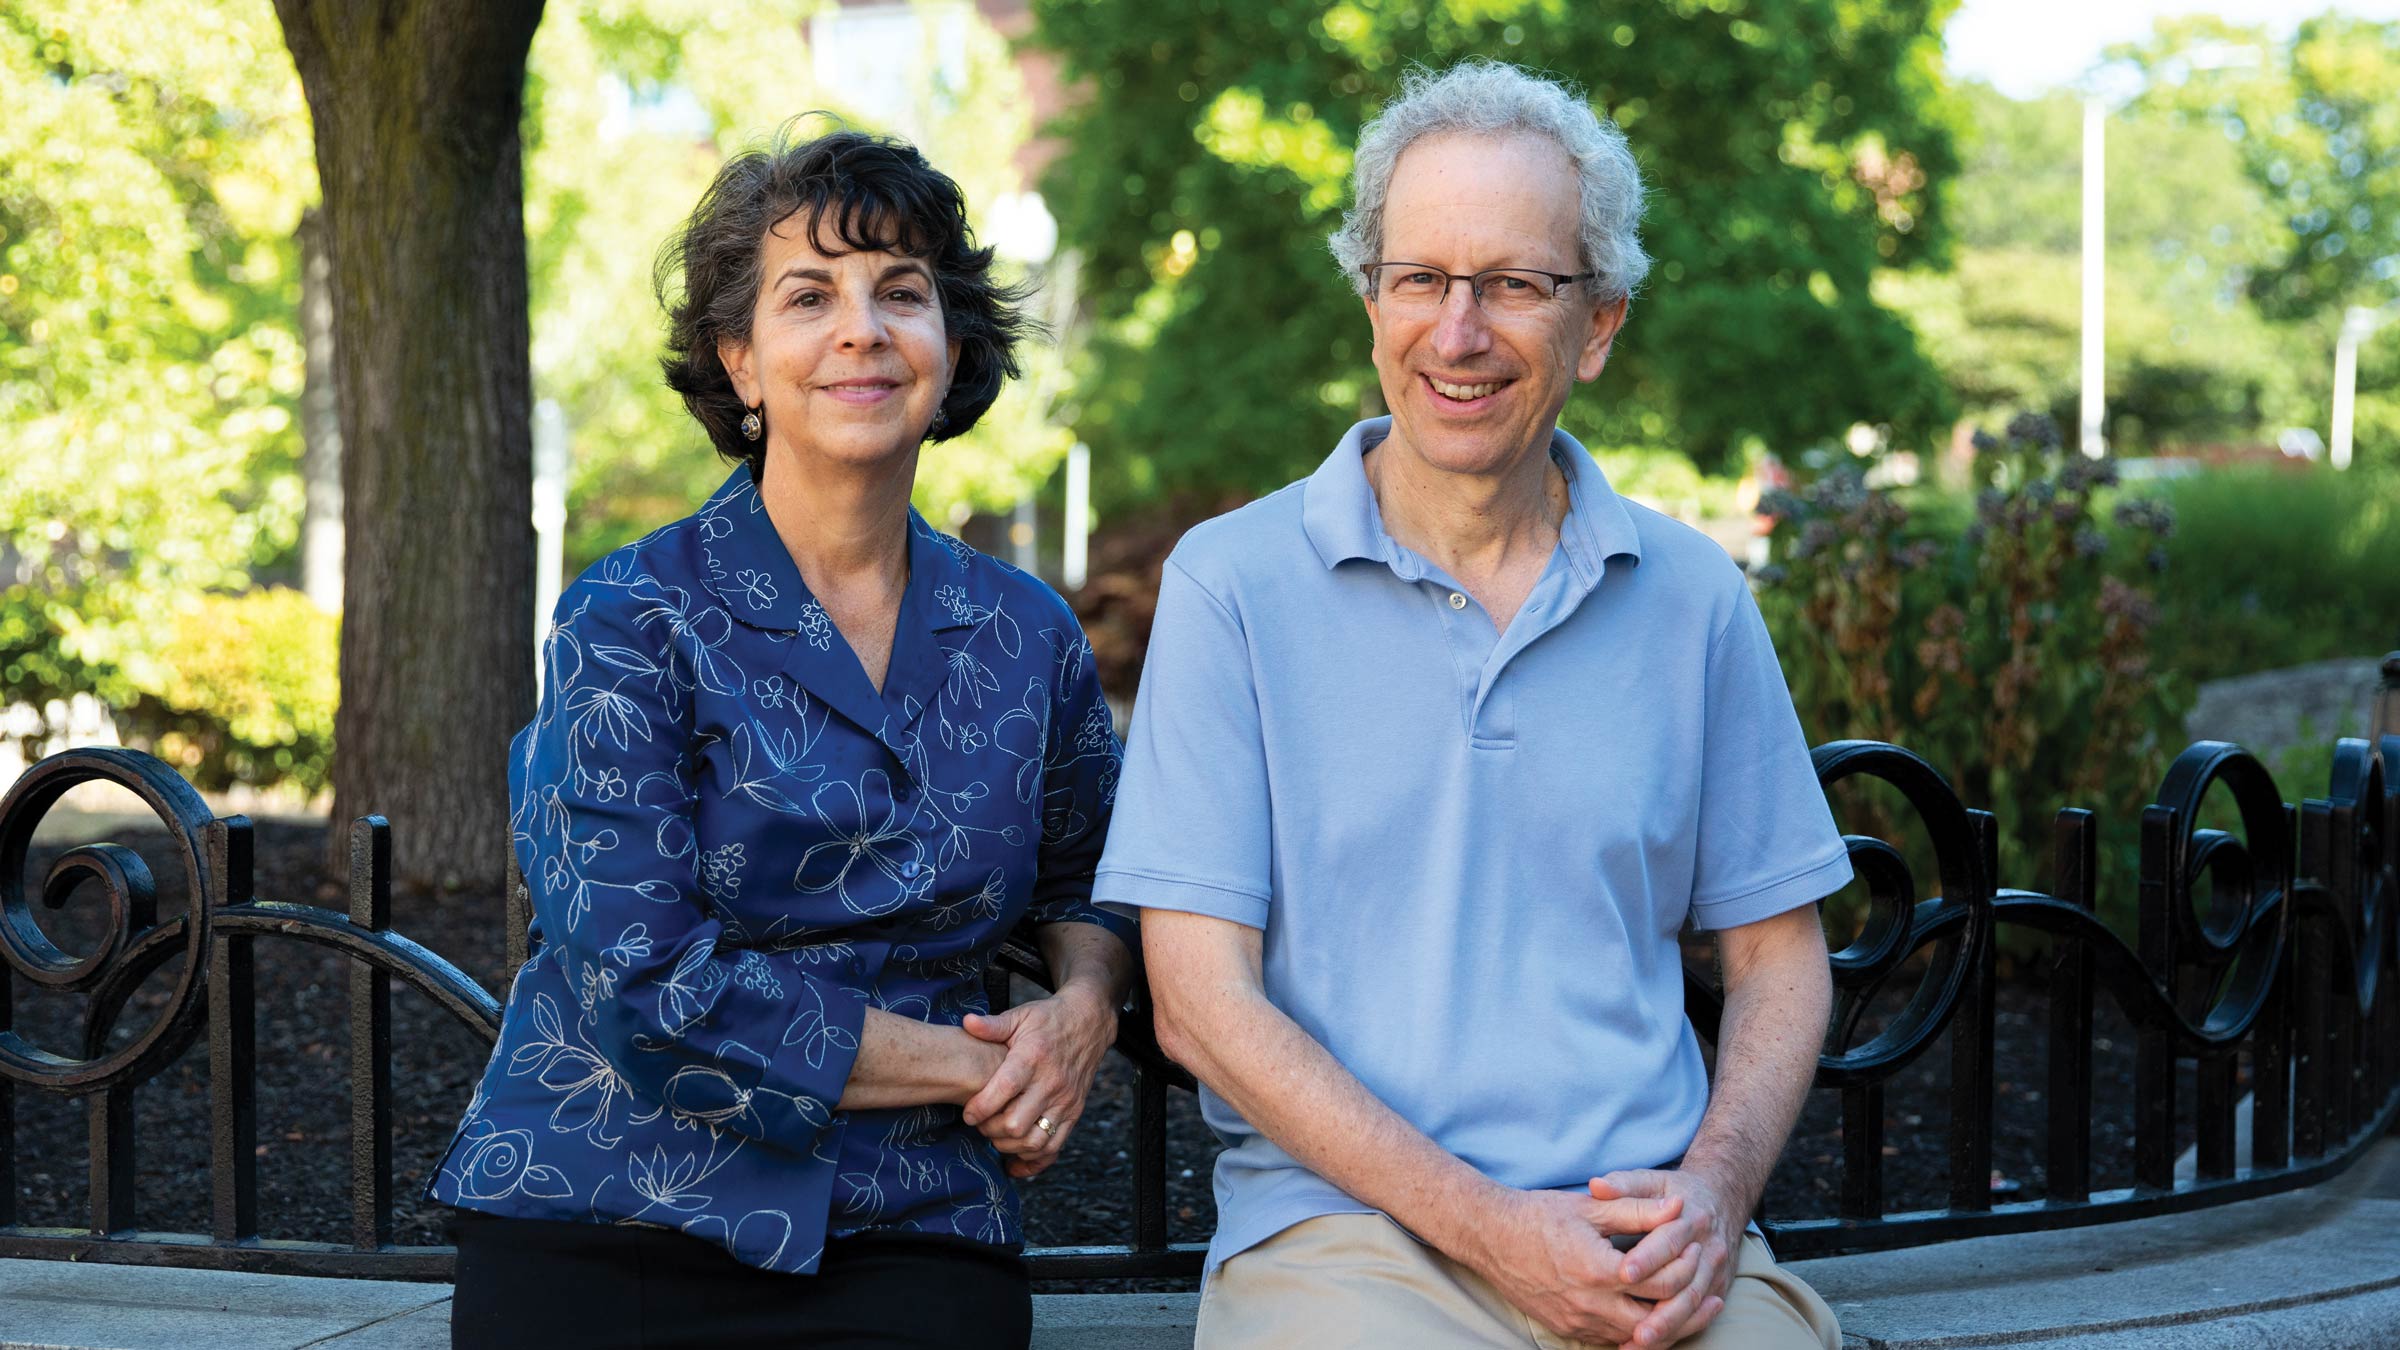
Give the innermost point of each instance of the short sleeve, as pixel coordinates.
(1767, 841)
(1191, 829)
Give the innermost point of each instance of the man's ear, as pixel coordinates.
(1607, 321)
(735, 356)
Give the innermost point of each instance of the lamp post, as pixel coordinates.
(2358, 324)
(2095, 253)
(550, 454)
(1074, 550)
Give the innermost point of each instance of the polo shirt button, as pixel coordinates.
(1457, 601)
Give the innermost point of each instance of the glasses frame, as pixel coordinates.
(1559, 281)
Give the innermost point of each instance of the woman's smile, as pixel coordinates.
(864, 392)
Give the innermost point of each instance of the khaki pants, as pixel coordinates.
(1357, 1281)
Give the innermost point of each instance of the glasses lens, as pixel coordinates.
(1512, 292)
(1409, 287)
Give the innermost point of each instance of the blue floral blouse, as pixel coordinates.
(736, 846)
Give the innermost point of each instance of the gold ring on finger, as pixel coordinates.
(1045, 1126)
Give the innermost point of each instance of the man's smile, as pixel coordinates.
(1462, 393)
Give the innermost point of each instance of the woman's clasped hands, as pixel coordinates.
(1050, 1047)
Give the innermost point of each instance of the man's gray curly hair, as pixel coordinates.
(1488, 98)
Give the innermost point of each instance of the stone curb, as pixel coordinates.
(2319, 1268)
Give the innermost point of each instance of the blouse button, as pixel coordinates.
(1457, 601)
(910, 869)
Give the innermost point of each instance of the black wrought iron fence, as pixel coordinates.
(2287, 967)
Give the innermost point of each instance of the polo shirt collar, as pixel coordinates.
(1343, 520)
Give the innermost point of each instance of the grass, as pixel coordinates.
(2271, 567)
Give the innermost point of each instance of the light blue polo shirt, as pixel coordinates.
(1471, 852)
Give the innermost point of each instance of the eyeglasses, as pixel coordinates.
(1415, 289)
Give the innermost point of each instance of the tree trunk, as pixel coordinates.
(416, 106)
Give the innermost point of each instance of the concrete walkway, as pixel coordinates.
(2317, 1268)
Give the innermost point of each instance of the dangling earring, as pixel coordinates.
(941, 419)
(751, 426)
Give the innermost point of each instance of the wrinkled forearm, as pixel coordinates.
(1087, 958)
(1215, 1019)
(905, 1062)
(1778, 995)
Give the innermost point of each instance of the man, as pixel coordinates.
(1436, 753)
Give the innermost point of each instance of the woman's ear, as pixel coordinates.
(735, 356)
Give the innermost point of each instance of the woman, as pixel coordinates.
(800, 764)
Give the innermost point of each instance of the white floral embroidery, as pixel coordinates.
(753, 972)
(777, 692)
(721, 872)
(499, 1163)
(954, 602)
(755, 586)
(816, 626)
(890, 849)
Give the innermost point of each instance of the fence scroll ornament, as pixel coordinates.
(2286, 963)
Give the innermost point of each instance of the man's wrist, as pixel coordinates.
(1458, 1218)
(1732, 1185)
(1091, 996)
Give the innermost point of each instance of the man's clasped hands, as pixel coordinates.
(1551, 1255)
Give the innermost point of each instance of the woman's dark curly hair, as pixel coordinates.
(872, 194)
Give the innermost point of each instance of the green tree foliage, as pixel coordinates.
(157, 157)
(1211, 161)
(2316, 122)
(2190, 356)
(2315, 125)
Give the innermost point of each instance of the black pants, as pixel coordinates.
(540, 1283)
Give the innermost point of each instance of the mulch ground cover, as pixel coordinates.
(1086, 1199)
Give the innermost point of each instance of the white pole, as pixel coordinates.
(1074, 559)
(2357, 323)
(2095, 247)
(2345, 390)
(549, 519)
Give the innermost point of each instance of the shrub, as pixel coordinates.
(37, 662)
(2273, 567)
(239, 689)
(2013, 655)
(1668, 481)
